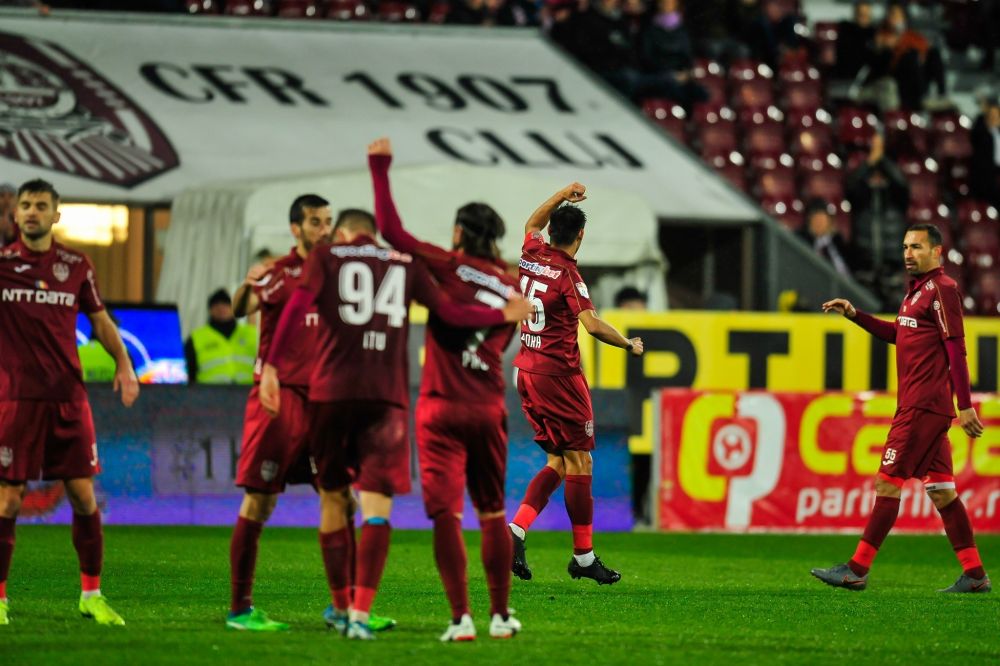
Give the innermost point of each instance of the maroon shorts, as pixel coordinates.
(918, 446)
(275, 451)
(559, 410)
(461, 443)
(360, 442)
(47, 439)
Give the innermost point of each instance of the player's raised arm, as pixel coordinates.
(245, 302)
(387, 218)
(572, 193)
(107, 334)
(883, 330)
(608, 334)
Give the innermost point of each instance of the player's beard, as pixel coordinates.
(36, 235)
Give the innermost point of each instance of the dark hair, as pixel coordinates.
(220, 295)
(565, 224)
(817, 205)
(39, 186)
(629, 294)
(355, 219)
(933, 233)
(297, 213)
(481, 227)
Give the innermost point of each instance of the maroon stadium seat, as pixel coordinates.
(806, 96)
(718, 138)
(797, 71)
(905, 134)
(805, 163)
(981, 245)
(807, 118)
(705, 68)
(776, 183)
(752, 94)
(770, 161)
(956, 177)
(299, 8)
(816, 140)
(826, 184)
(668, 115)
(855, 126)
(986, 292)
(744, 69)
(397, 12)
(972, 211)
(840, 211)
(711, 114)
(732, 167)
(924, 188)
(202, 6)
(768, 137)
(787, 211)
(248, 7)
(347, 10)
(953, 145)
(438, 13)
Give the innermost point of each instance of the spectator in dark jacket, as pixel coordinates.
(821, 234)
(984, 170)
(665, 51)
(492, 12)
(855, 41)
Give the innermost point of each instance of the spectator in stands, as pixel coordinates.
(821, 234)
(595, 35)
(984, 171)
(989, 26)
(855, 41)
(630, 298)
(879, 197)
(492, 12)
(906, 57)
(8, 198)
(223, 350)
(665, 52)
(772, 33)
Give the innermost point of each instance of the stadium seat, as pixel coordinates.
(807, 118)
(710, 114)
(744, 69)
(794, 71)
(972, 211)
(438, 13)
(299, 8)
(956, 272)
(953, 145)
(855, 126)
(202, 6)
(805, 96)
(789, 212)
(924, 188)
(668, 115)
(826, 184)
(248, 8)
(770, 161)
(766, 138)
(717, 138)
(986, 292)
(816, 140)
(706, 68)
(777, 184)
(752, 94)
(981, 245)
(806, 163)
(731, 166)
(905, 134)
(956, 177)
(840, 211)
(347, 10)
(397, 12)
(825, 36)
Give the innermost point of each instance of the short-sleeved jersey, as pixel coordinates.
(40, 296)
(273, 291)
(552, 283)
(466, 363)
(930, 314)
(363, 293)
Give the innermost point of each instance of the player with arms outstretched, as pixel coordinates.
(46, 427)
(554, 393)
(930, 366)
(461, 415)
(359, 395)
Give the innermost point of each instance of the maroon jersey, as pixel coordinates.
(273, 291)
(930, 314)
(40, 296)
(551, 282)
(466, 363)
(363, 293)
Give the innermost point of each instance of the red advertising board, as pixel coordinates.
(741, 461)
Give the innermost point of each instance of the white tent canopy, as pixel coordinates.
(237, 219)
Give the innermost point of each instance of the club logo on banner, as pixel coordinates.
(57, 113)
(783, 461)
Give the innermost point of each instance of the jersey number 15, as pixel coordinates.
(530, 288)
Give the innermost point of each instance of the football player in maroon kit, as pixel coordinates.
(274, 450)
(461, 415)
(46, 427)
(359, 393)
(554, 393)
(930, 367)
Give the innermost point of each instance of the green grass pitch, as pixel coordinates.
(683, 599)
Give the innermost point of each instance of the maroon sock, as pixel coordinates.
(373, 549)
(497, 554)
(537, 496)
(958, 527)
(449, 553)
(6, 551)
(242, 563)
(336, 547)
(879, 523)
(88, 539)
(580, 508)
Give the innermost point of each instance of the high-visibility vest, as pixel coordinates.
(223, 360)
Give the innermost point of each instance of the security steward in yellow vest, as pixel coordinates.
(223, 350)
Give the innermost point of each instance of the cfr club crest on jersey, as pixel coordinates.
(59, 114)
(60, 271)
